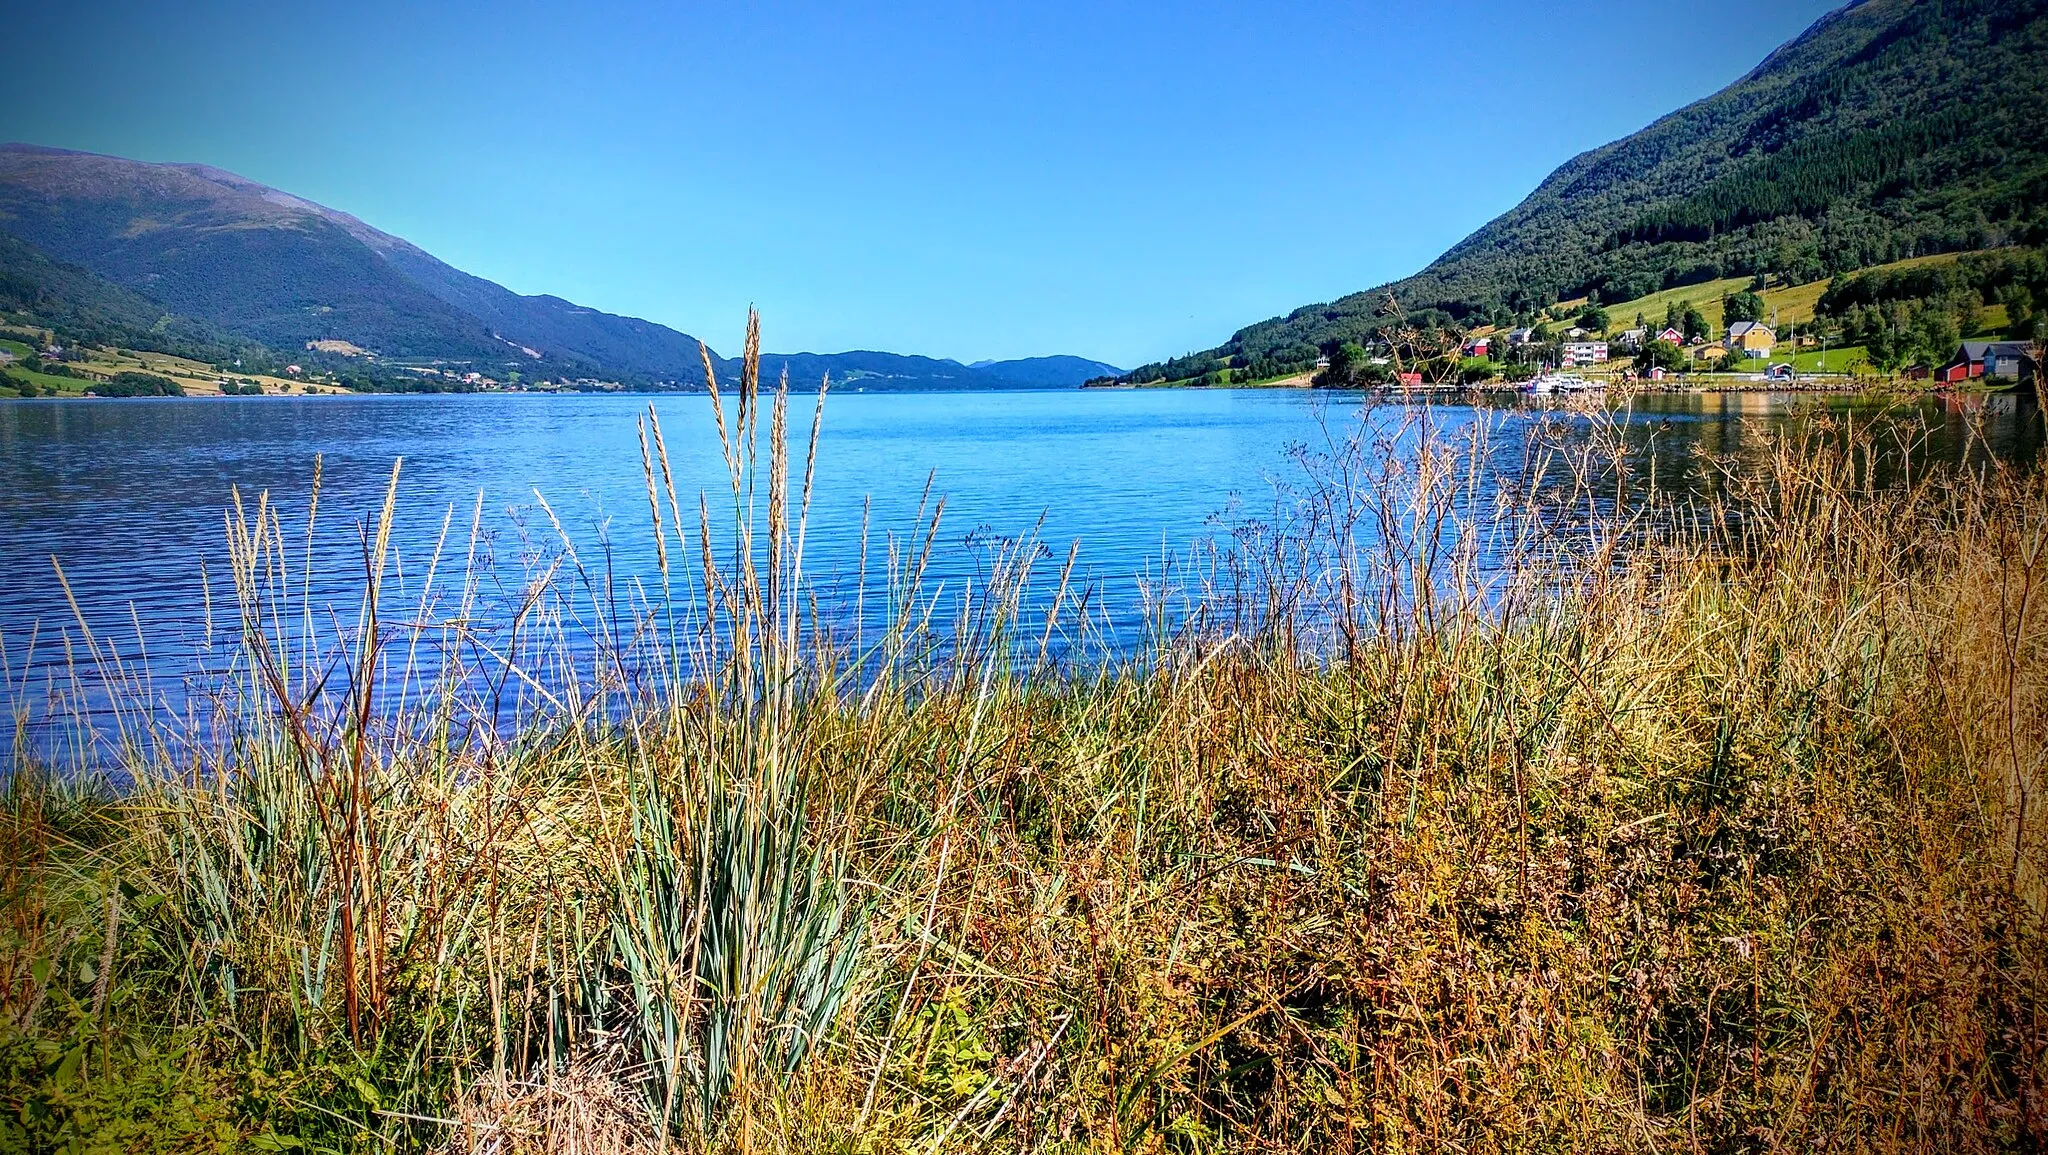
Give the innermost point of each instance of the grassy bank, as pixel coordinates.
(1703, 826)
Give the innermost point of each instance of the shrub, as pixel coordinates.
(134, 384)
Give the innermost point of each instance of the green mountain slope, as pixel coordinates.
(1890, 129)
(85, 306)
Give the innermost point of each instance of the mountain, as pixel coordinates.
(1047, 372)
(268, 265)
(545, 324)
(195, 250)
(1889, 129)
(885, 371)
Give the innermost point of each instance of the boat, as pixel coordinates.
(1562, 383)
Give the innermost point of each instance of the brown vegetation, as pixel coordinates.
(1695, 825)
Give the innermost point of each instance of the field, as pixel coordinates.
(1849, 359)
(1727, 838)
(1706, 296)
(1793, 304)
(195, 378)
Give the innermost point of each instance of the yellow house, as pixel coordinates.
(1711, 352)
(1753, 338)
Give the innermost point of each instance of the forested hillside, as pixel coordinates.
(1046, 372)
(1890, 129)
(84, 307)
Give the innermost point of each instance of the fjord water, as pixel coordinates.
(130, 497)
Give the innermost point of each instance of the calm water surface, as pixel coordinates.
(129, 496)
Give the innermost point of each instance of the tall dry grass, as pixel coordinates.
(1698, 824)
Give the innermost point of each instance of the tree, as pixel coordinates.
(1685, 317)
(1743, 306)
(133, 384)
(1970, 317)
(1660, 355)
(1348, 360)
(1934, 336)
(1593, 317)
(2019, 311)
(1887, 345)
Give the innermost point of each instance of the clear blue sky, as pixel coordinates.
(1123, 181)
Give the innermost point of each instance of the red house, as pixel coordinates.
(1966, 365)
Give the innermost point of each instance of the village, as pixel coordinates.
(1751, 344)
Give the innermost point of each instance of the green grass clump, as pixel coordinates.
(1708, 824)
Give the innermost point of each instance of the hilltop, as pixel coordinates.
(1891, 129)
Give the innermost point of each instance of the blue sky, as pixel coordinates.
(1123, 181)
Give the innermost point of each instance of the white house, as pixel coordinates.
(1585, 352)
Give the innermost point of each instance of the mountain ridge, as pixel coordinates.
(245, 258)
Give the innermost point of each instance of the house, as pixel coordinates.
(1672, 335)
(1521, 336)
(1634, 339)
(2013, 359)
(1578, 333)
(1409, 380)
(1751, 338)
(1705, 352)
(1478, 347)
(1966, 365)
(1586, 352)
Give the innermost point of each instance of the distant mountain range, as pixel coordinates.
(218, 259)
(1889, 129)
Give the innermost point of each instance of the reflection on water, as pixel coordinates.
(1742, 428)
(130, 496)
